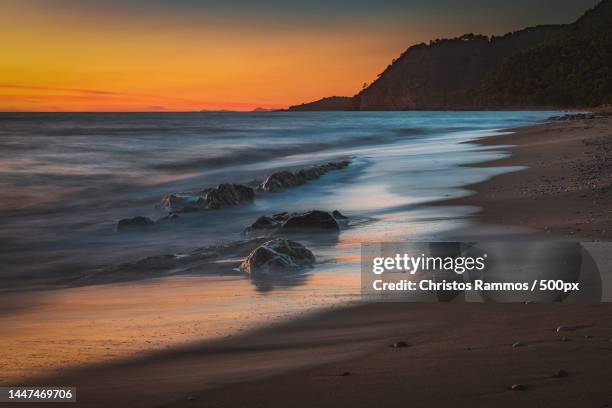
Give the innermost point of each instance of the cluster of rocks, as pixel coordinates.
(222, 196)
(285, 179)
(228, 195)
(315, 220)
(279, 254)
(573, 116)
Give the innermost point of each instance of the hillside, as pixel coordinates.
(560, 65)
(573, 70)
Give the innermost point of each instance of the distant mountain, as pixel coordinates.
(331, 103)
(555, 65)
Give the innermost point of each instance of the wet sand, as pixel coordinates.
(458, 355)
(565, 190)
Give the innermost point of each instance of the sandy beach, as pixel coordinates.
(566, 188)
(306, 204)
(458, 354)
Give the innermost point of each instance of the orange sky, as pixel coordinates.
(62, 55)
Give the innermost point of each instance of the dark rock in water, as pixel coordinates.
(311, 220)
(222, 196)
(277, 255)
(565, 328)
(134, 223)
(268, 223)
(280, 180)
(285, 179)
(264, 222)
(228, 195)
(345, 374)
(399, 344)
(560, 374)
(338, 215)
(518, 387)
(293, 222)
(517, 344)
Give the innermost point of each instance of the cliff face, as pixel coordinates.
(475, 71)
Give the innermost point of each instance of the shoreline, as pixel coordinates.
(564, 188)
(459, 354)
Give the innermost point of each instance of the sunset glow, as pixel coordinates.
(68, 55)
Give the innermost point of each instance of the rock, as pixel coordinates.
(285, 179)
(268, 222)
(338, 215)
(399, 344)
(222, 196)
(315, 220)
(134, 223)
(518, 387)
(228, 195)
(280, 180)
(518, 344)
(573, 116)
(345, 374)
(560, 374)
(264, 222)
(565, 328)
(181, 202)
(312, 220)
(277, 255)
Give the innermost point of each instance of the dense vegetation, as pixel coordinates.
(572, 69)
(545, 66)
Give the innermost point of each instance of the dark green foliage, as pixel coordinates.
(572, 69)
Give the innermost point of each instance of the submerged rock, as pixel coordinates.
(222, 196)
(277, 255)
(134, 223)
(311, 220)
(285, 179)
